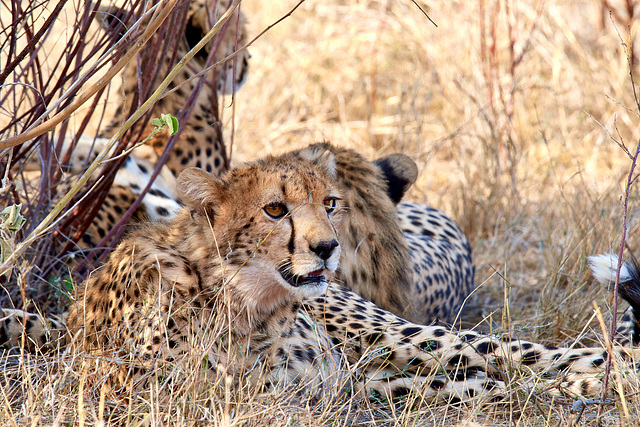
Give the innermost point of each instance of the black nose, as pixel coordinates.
(324, 248)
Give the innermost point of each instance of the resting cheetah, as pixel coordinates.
(245, 276)
(200, 142)
(428, 270)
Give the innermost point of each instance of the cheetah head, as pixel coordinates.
(273, 224)
(201, 15)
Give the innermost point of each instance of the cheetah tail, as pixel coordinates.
(603, 267)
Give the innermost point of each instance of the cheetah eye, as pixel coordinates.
(330, 204)
(276, 210)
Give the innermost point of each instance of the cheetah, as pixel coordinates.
(199, 144)
(200, 141)
(246, 276)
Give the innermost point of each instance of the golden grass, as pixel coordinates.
(524, 161)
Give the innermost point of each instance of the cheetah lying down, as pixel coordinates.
(245, 278)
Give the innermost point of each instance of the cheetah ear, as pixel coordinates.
(320, 155)
(400, 171)
(200, 190)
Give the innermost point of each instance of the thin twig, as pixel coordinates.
(85, 96)
(630, 180)
(425, 13)
(33, 42)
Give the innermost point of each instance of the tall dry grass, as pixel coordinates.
(510, 109)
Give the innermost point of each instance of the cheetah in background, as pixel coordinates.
(199, 143)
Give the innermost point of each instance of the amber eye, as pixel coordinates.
(276, 210)
(330, 204)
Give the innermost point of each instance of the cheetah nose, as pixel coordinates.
(324, 248)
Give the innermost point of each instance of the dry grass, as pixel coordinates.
(512, 129)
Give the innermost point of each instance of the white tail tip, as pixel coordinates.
(604, 266)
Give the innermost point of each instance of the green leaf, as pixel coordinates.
(157, 122)
(11, 219)
(171, 122)
(68, 284)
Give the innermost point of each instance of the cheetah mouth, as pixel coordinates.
(313, 278)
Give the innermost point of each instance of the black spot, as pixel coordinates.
(486, 347)
(4, 337)
(411, 331)
(530, 358)
(437, 384)
(429, 345)
(428, 233)
(585, 388)
(459, 360)
(468, 336)
(373, 338)
(299, 354)
(439, 333)
(400, 391)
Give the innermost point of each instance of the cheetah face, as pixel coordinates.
(274, 223)
(288, 238)
(311, 256)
